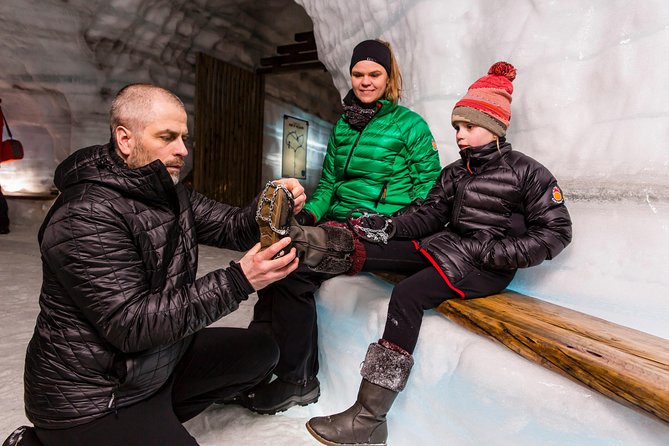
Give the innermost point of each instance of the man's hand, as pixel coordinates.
(297, 190)
(261, 269)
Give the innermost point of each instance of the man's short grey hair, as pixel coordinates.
(132, 106)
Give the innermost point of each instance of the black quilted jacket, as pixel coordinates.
(496, 209)
(120, 299)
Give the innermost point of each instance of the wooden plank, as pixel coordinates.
(624, 364)
(310, 56)
(296, 67)
(306, 36)
(293, 48)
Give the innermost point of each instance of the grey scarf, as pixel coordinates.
(356, 113)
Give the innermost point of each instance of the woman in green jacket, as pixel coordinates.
(381, 156)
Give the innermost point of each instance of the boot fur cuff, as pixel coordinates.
(386, 368)
(358, 252)
(340, 247)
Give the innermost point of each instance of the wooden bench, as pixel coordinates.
(627, 365)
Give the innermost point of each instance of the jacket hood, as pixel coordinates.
(102, 165)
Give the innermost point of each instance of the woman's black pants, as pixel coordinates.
(287, 308)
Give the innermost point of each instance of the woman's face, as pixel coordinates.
(470, 135)
(369, 81)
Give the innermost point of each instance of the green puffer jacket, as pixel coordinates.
(390, 163)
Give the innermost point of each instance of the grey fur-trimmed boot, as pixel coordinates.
(327, 248)
(384, 374)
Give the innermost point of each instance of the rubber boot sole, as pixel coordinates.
(275, 207)
(295, 400)
(332, 443)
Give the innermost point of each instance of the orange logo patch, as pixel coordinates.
(556, 195)
(434, 144)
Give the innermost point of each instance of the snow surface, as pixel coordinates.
(592, 104)
(464, 389)
(21, 280)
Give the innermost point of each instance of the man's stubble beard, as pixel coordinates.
(175, 176)
(140, 158)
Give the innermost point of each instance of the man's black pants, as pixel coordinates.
(220, 363)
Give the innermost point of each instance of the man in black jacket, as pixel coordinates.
(121, 353)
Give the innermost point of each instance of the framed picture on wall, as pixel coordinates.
(294, 153)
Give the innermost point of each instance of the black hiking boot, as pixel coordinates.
(23, 436)
(280, 395)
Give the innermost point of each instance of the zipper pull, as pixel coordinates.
(112, 402)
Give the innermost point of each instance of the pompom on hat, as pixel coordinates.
(487, 103)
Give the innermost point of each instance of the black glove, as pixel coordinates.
(375, 222)
(373, 228)
(305, 218)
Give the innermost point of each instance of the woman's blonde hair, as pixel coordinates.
(393, 91)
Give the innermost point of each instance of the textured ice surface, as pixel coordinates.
(590, 97)
(591, 103)
(464, 389)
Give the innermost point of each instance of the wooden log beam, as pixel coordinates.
(305, 36)
(288, 59)
(624, 364)
(299, 56)
(294, 67)
(294, 48)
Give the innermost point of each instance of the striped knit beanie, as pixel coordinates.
(487, 103)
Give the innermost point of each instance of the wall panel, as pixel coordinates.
(229, 104)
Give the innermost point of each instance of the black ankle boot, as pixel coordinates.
(280, 395)
(23, 436)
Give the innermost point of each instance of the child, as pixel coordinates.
(491, 212)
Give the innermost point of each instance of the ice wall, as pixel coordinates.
(591, 102)
(464, 390)
(62, 61)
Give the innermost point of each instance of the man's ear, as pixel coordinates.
(124, 140)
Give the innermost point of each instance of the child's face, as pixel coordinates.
(470, 135)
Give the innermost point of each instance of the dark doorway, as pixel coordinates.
(229, 106)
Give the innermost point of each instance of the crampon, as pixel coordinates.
(275, 209)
